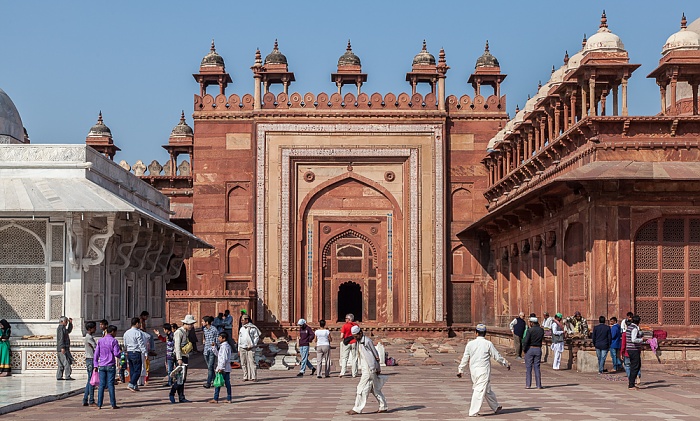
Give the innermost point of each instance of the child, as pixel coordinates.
(122, 365)
(224, 367)
(169, 348)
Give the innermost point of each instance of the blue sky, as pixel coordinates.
(62, 62)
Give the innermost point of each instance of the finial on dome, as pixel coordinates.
(276, 47)
(425, 46)
(684, 22)
(441, 55)
(517, 108)
(585, 40)
(213, 47)
(566, 57)
(552, 69)
(486, 48)
(258, 56)
(349, 48)
(539, 84)
(528, 97)
(603, 20)
(182, 117)
(99, 117)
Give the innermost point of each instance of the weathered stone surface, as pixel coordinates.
(421, 353)
(431, 361)
(445, 349)
(586, 363)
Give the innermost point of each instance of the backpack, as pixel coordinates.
(391, 361)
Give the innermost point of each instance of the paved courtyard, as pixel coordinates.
(413, 392)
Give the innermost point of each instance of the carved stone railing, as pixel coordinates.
(154, 169)
(363, 101)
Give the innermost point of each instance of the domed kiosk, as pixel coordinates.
(11, 128)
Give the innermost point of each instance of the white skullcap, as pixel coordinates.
(533, 319)
(355, 330)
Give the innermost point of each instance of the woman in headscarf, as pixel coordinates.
(5, 364)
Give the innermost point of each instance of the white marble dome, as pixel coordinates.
(11, 128)
(530, 105)
(519, 117)
(557, 76)
(574, 62)
(603, 40)
(685, 39)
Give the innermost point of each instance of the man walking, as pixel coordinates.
(107, 352)
(616, 335)
(65, 359)
(306, 336)
(90, 344)
(135, 348)
(517, 328)
(248, 338)
(478, 354)
(602, 339)
(348, 352)
(182, 347)
(634, 350)
(370, 380)
(532, 345)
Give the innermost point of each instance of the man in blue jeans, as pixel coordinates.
(306, 336)
(107, 353)
(90, 344)
(209, 340)
(602, 339)
(616, 334)
(135, 347)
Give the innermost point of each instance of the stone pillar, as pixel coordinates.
(339, 85)
(413, 87)
(557, 120)
(591, 90)
(662, 89)
(543, 135)
(624, 96)
(359, 87)
(573, 108)
(584, 98)
(566, 115)
(285, 87)
(603, 97)
(257, 98)
(441, 92)
(614, 92)
(694, 85)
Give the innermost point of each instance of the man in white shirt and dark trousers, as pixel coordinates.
(135, 347)
(478, 354)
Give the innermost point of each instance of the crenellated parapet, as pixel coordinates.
(155, 169)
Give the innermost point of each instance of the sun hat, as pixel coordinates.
(355, 330)
(189, 320)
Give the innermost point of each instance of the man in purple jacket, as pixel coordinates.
(107, 353)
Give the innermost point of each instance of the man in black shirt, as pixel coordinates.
(602, 338)
(532, 345)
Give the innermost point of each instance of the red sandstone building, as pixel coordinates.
(432, 211)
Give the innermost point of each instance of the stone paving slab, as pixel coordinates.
(413, 392)
(22, 391)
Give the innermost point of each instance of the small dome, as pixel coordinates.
(99, 129)
(530, 105)
(684, 39)
(604, 40)
(275, 57)
(182, 129)
(574, 62)
(10, 121)
(349, 58)
(486, 59)
(557, 76)
(519, 117)
(212, 58)
(424, 57)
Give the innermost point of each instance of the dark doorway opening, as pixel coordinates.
(350, 301)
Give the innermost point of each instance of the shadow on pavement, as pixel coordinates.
(408, 408)
(515, 410)
(562, 385)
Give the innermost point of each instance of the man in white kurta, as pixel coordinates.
(478, 354)
(370, 380)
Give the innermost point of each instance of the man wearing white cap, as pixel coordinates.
(478, 354)
(306, 336)
(370, 380)
(532, 345)
(182, 348)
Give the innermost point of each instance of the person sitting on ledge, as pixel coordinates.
(577, 326)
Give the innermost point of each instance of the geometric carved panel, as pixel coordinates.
(647, 285)
(461, 302)
(674, 312)
(16, 360)
(672, 257)
(22, 292)
(695, 313)
(18, 247)
(648, 311)
(646, 256)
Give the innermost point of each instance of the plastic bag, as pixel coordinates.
(95, 379)
(219, 380)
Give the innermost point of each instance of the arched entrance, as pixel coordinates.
(349, 301)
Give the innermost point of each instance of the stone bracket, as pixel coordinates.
(125, 249)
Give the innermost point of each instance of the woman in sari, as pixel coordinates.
(5, 364)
